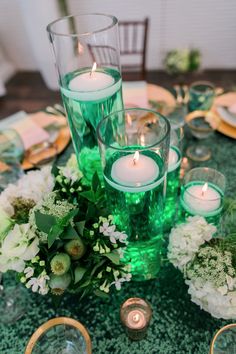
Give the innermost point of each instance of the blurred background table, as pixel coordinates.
(27, 90)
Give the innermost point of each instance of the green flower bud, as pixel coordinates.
(23, 279)
(72, 190)
(108, 269)
(95, 226)
(96, 247)
(60, 264)
(99, 276)
(75, 248)
(42, 263)
(59, 283)
(64, 190)
(59, 179)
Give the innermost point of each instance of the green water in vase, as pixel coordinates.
(84, 111)
(172, 188)
(140, 215)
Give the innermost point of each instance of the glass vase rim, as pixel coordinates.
(129, 149)
(221, 190)
(210, 86)
(85, 34)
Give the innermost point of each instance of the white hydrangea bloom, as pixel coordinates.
(34, 185)
(185, 240)
(219, 302)
(20, 245)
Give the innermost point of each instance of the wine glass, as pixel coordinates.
(202, 124)
(13, 299)
(224, 341)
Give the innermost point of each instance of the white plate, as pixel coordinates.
(226, 116)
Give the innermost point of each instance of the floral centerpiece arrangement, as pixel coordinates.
(181, 61)
(207, 258)
(55, 232)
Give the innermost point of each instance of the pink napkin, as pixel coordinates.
(135, 94)
(30, 132)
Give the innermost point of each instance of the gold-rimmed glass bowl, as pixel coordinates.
(60, 335)
(224, 341)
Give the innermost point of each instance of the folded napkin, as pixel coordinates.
(135, 94)
(30, 127)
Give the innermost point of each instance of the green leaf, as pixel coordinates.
(79, 273)
(101, 294)
(69, 233)
(55, 232)
(91, 211)
(44, 222)
(89, 195)
(86, 283)
(80, 226)
(65, 220)
(114, 257)
(95, 182)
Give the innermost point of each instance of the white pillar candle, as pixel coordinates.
(135, 174)
(92, 85)
(173, 159)
(201, 199)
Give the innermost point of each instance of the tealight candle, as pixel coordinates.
(135, 314)
(134, 173)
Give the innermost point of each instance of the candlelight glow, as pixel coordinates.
(94, 67)
(129, 119)
(136, 317)
(136, 157)
(204, 188)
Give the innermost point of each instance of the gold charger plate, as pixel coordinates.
(160, 94)
(33, 158)
(227, 100)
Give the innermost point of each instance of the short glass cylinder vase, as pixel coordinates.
(134, 146)
(202, 193)
(173, 177)
(87, 54)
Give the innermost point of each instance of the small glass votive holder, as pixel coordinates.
(202, 193)
(201, 96)
(173, 177)
(135, 315)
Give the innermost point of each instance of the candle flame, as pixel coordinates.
(129, 119)
(136, 157)
(136, 317)
(94, 67)
(204, 188)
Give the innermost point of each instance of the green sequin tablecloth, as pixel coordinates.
(178, 326)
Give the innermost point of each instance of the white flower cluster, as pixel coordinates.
(38, 284)
(107, 228)
(20, 245)
(219, 302)
(185, 240)
(32, 186)
(71, 170)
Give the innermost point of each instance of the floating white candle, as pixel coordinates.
(92, 85)
(202, 199)
(173, 159)
(134, 173)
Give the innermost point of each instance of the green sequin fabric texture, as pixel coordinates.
(177, 327)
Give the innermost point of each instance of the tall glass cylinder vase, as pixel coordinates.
(87, 55)
(173, 177)
(134, 147)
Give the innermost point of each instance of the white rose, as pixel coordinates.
(19, 245)
(5, 223)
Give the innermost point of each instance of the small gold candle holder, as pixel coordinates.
(135, 315)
